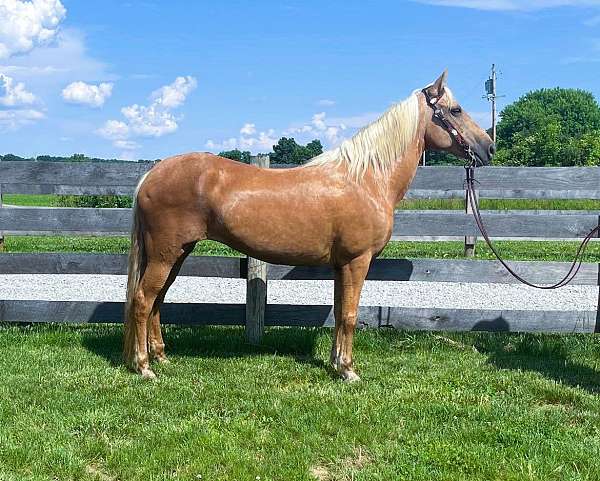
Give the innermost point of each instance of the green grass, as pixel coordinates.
(502, 204)
(512, 250)
(454, 407)
(30, 200)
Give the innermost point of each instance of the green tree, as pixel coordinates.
(237, 154)
(553, 127)
(435, 157)
(314, 148)
(288, 151)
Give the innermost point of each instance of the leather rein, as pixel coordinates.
(472, 162)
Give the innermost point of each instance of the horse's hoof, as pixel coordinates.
(350, 376)
(147, 374)
(163, 360)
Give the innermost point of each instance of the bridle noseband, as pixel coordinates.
(472, 162)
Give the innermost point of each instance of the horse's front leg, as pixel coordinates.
(349, 280)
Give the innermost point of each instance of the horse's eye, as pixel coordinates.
(456, 111)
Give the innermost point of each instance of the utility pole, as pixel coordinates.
(491, 95)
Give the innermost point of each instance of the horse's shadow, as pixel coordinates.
(551, 357)
(213, 342)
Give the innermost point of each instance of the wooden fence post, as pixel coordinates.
(470, 240)
(256, 286)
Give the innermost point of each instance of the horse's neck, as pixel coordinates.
(405, 168)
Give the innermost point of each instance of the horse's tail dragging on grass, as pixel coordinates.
(136, 264)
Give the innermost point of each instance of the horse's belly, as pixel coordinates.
(279, 237)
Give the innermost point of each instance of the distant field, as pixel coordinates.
(514, 250)
(503, 204)
(30, 200)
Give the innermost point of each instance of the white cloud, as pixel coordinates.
(326, 103)
(114, 130)
(150, 121)
(248, 129)
(25, 25)
(329, 130)
(261, 142)
(154, 120)
(15, 100)
(127, 144)
(57, 64)
(264, 141)
(511, 4)
(87, 94)
(14, 94)
(173, 95)
(13, 119)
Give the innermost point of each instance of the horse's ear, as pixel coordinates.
(436, 90)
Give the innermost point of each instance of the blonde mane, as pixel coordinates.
(380, 144)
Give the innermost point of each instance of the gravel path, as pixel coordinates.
(377, 293)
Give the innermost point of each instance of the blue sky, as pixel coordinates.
(149, 79)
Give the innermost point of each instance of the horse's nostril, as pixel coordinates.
(492, 149)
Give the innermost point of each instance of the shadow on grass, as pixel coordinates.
(215, 342)
(548, 355)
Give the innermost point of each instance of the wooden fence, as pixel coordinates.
(431, 182)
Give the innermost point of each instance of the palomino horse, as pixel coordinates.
(338, 209)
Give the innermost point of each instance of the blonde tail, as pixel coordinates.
(137, 259)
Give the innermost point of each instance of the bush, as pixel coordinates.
(99, 201)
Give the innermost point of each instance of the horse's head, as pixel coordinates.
(450, 128)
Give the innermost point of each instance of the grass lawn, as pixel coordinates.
(30, 200)
(472, 406)
(513, 250)
(417, 204)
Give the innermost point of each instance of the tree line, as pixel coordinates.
(72, 158)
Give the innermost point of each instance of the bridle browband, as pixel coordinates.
(472, 162)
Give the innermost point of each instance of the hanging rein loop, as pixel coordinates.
(473, 161)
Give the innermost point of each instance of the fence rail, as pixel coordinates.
(430, 182)
(512, 223)
(98, 178)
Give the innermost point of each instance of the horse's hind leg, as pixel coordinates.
(156, 345)
(152, 282)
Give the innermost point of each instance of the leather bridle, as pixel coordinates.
(472, 162)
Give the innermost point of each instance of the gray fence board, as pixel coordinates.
(431, 270)
(499, 224)
(556, 224)
(116, 264)
(72, 173)
(430, 182)
(65, 220)
(510, 182)
(449, 270)
(311, 315)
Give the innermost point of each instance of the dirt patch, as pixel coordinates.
(344, 469)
